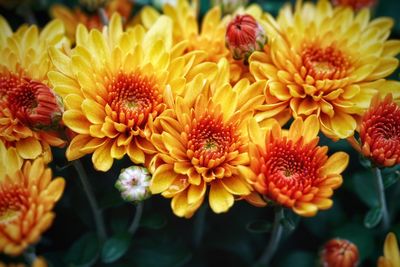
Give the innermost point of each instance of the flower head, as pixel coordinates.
(27, 197)
(202, 143)
(290, 169)
(391, 254)
(133, 183)
(243, 36)
(380, 132)
(314, 67)
(113, 86)
(339, 253)
(29, 109)
(355, 4)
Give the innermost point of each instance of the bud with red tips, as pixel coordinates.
(339, 253)
(244, 36)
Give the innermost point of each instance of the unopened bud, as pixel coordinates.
(244, 36)
(339, 253)
(133, 183)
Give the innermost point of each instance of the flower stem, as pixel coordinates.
(276, 235)
(98, 217)
(103, 16)
(381, 198)
(199, 225)
(136, 220)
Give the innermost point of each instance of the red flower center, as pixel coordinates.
(13, 201)
(291, 167)
(210, 140)
(31, 102)
(325, 63)
(134, 97)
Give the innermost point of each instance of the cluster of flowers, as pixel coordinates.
(201, 107)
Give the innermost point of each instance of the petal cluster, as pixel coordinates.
(290, 169)
(391, 254)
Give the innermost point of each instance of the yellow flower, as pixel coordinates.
(27, 197)
(325, 61)
(73, 17)
(29, 109)
(202, 141)
(391, 252)
(38, 262)
(208, 37)
(113, 86)
(289, 168)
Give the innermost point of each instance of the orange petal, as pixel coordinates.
(163, 177)
(101, 158)
(29, 148)
(220, 200)
(335, 164)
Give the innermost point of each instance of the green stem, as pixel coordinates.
(136, 220)
(199, 223)
(276, 235)
(381, 198)
(97, 215)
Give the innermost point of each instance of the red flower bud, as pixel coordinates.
(339, 253)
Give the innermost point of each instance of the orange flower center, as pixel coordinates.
(325, 63)
(210, 140)
(134, 97)
(31, 102)
(291, 167)
(13, 200)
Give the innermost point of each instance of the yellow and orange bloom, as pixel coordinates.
(355, 4)
(27, 197)
(327, 61)
(289, 168)
(73, 17)
(380, 132)
(202, 142)
(391, 254)
(113, 85)
(339, 253)
(29, 109)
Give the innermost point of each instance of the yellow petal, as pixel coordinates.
(391, 249)
(76, 121)
(220, 200)
(163, 177)
(93, 111)
(310, 128)
(335, 164)
(235, 185)
(29, 148)
(102, 160)
(196, 192)
(305, 209)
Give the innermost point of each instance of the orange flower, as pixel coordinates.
(355, 4)
(73, 17)
(290, 169)
(380, 132)
(29, 109)
(27, 196)
(391, 252)
(315, 67)
(339, 253)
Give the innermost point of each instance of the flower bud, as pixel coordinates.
(339, 253)
(244, 36)
(133, 183)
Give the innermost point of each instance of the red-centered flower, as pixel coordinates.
(339, 253)
(380, 132)
(355, 4)
(243, 36)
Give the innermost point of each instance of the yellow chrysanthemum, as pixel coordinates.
(325, 61)
(73, 17)
(113, 86)
(201, 142)
(28, 106)
(38, 262)
(289, 168)
(27, 197)
(391, 252)
(209, 37)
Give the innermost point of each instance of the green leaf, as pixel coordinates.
(390, 179)
(259, 226)
(115, 247)
(153, 221)
(373, 217)
(84, 252)
(364, 187)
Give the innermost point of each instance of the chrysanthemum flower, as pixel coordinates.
(325, 61)
(113, 87)
(391, 252)
(201, 142)
(29, 109)
(73, 17)
(380, 132)
(290, 168)
(27, 197)
(208, 37)
(355, 4)
(339, 253)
